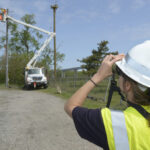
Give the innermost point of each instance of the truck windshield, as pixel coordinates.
(34, 71)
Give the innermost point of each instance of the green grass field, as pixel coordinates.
(97, 95)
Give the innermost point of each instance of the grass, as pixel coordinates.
(10, 87)
(97, 95)
(96, 99)
(2, 86)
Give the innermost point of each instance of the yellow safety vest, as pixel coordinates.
(126, 130)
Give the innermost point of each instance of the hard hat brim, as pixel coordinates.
(133, 74)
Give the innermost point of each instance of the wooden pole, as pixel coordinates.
(54, 7)
(7, 79)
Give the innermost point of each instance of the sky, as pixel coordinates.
(82, 24)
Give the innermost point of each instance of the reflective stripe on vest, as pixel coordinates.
(119, 130)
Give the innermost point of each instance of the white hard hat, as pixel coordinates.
(136, 63)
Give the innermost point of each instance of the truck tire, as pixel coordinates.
(27, 87)
(45, 86)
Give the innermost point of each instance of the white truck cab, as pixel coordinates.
(35, 77)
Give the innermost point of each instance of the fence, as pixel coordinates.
(70, 80)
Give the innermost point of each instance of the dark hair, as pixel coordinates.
(139, 97)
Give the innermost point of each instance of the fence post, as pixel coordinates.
(75, 77)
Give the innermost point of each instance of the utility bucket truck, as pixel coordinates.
(34, 76)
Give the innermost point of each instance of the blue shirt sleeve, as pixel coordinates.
(89, 125)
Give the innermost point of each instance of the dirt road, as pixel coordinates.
(31, 120)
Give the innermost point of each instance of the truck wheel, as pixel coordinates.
(27, 87)
(45, 86)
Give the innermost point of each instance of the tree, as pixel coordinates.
(22, 39)
(2, 69)
(29, 37)
(92, 62)
(16, 68)
(46, 59)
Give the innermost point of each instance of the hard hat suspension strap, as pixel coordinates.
(113, 88)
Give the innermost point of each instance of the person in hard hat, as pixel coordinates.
(118, 130)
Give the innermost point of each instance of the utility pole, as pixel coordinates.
(7, 79)
(54, 7)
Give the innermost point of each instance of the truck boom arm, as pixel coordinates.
(47, 41)
(37, 54)
(28, 25)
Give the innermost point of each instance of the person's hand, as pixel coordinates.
(105, 69)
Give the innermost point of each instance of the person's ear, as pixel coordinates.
(127, 86)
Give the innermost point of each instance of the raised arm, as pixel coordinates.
(80, 95)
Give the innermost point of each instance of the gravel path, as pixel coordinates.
(31, 120)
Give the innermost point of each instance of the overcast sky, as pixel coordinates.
(81, 24)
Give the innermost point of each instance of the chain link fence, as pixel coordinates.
(70, 80)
